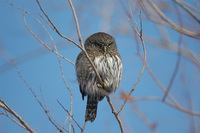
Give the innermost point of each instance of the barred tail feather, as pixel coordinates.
(91, 109)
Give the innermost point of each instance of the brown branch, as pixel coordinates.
(46, 22)
(175, 104)
(131, 16)
(70, 115)
(77, 24)
(4, 107)
(46, 112)
(144, 62)
(24, 11)
(143, 117)
(63, 77)
(168, 103)
(159, 84)
(116, 114)
(189, 101)
(107, 22)
(84, 127)
(57, 31)
(177, 62)
(192, 7)
(18, 117)
(187, 10)
(171, 23)
(49, 115)
(73, 129)
(56, 51)
(15, 121)
(169, 45)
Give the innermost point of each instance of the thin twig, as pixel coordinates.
(187, 10)
(159, 83)
(144, 63)
(70, 110)
(171, 23)
(177, 62)
(15, 121)
(37, 37)
(46, 112)
(192, 7)
(23, 122)
(84, 127)
(175, 71)
(189, 102)
(62, 127)
(70, 115)
(63, 77)
(116, 114)
(46, 22)
(57, 31)
(177, 107)
(73, 129)
(107, 22)
(77, 24)
(144, 118)
(130, 8)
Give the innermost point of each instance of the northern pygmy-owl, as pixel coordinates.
(102, 50)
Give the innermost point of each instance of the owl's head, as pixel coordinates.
(101, 42)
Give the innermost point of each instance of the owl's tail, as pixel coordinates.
(91, 109)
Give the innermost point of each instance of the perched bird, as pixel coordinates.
(102, 50)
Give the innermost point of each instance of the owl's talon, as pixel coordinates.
(104, 85)
(99, 86)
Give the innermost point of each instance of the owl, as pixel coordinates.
(102, 50)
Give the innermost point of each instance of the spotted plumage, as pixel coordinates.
(102, 50)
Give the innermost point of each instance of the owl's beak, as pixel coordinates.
(105, 48)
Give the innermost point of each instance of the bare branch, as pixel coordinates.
(49, 115)
(144, 63)
(107, 22)
(36, 36)
(187, 10)
(177, 62)
(116, 114)
(46, 112)
(168, 103)
(171, 23)
(77, 24)
(6, 114)
(143, 117)
(18, 117)
(70, 115)
(84, 127)
(57, 31)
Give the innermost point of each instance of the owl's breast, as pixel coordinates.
(110, 69)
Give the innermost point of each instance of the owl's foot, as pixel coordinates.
(104, 85)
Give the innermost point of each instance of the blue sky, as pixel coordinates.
(40, 68)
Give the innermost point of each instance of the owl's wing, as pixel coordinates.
(83, 71)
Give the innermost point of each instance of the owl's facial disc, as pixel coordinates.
(103, 47)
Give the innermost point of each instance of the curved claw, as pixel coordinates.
(104, 85)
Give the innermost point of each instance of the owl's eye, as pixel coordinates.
(97, 44)
(109, 45)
